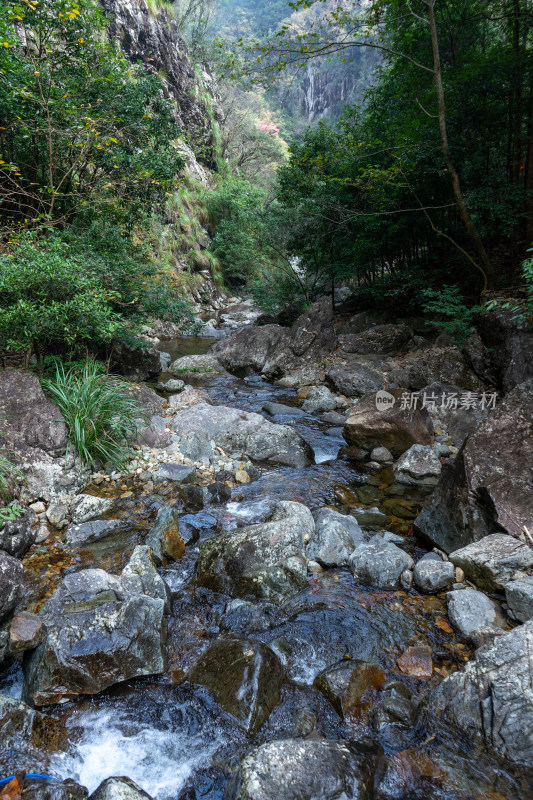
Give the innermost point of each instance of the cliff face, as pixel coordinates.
(153, 38)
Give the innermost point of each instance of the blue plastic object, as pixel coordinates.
(29, 775)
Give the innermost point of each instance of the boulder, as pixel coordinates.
(336, 537)
(379, 339)
(164, 538)
(190, 396)
(172, 385)
(492, 562)
(94, 531)
(21, 727)
(25, 632)
(355, 380)
(382, 455)
(419, 466)
(379, 564)
(441, 364)
(378, 420)
(487, 489)
(510, 344)
(36, 432)
(11, 584)
(469, 609)
(86, 507)
(519, 597)
(197, 366)
(175, 473)
(119, 789)
(244, 434)
(136, 360)
(244, 677)
(53, 790)
(18, 535)
(319, 399)
(306, 769)
(491, 698)
(100, 630)
(345, 684)
(149, 401)
(278, 409)
(266, 560)
(247, 350)
(458, 412)
(433, 575)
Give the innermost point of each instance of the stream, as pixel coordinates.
(171, 737)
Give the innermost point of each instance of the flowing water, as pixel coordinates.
(171, 737)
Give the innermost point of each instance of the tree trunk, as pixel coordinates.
(485, 266)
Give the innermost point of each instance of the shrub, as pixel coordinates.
(100, 411)
(457, 318)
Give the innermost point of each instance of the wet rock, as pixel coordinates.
(469, 609)
(416, 662)
(278, 408)
(119, 789)
(89, 532)
(244, 617)
(314, 769)
(492, 562)
(238, 432)
(432, 576)
(355, 380)
(86, 507)
(519, 597)
(486, 489)
(18, 535)
(334, 418)
(369, 517)
(11, 583)
(164, 360)
(346, 683)
(491, 698)
(379, 339)
(25, 631)
(244, 678)
(172, 385)
(419, 466)
(53, 790)
(379, 564)
(394, 721)
(266, 560)
(196, 497)
(23, 727)
(190, 396)
(56, 514)
(319, 399)
(177, 473)
(388, 425)
(164, 538)
(197, 365)
(336, 537)
(100, 630)
(485, 634)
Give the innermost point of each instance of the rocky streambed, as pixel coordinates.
(250, 613)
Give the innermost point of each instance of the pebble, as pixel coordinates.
(38, 507)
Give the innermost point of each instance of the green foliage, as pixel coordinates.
(101, 413)
(456, 317)
(49, 299)
(81, 126)
(11, 512)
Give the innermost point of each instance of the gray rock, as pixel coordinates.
(11, 583)
(86, 507)
(278, 408)
(369, 517)
(198, 365)
(487, 488)
(305, 769)
(492, 562)
(56, 514)
(509, 344)
(100, 630)
(190, 396)
(334, 418)
(23, 727)
(469, 609)
(379, 339)
(247, 350)
(319, 399)
(419, 466)
(355, 380)
(373, 423)
(94, 531)
(18, 535)
(345, 683)
(266, 560)
(177, 473)
(238, 432)
(119, 789)
(172, 385)
(381, 455)
(244, 678)
(431, 557)
(491, 699)
(432, 576)
(336, 537)
(164, 538)
(379, 564)
(519, 597)
(135, 361)
(164, 360)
